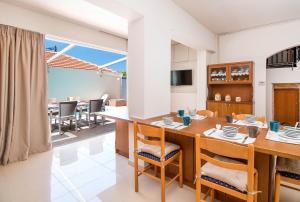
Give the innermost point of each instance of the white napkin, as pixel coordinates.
(275, 136)
(218, 135)
(174, 125)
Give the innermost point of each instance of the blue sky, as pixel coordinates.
(91, 55)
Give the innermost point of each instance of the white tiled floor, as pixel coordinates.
(85, 171)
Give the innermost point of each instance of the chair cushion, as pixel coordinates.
(155, 158)
(234, 178)
(156, 150)
(224, 184)
(288, 165)
(290, 175)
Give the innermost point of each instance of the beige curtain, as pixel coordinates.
(23, 95)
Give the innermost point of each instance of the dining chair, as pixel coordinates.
(262, 119)
(207, 113)
(95, 106)
(66, 112)
(222, 172)
(158, 153)
(287, 170)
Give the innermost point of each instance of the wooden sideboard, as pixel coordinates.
(224, 108)
(234, 79)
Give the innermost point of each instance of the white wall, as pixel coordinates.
(86, 84)
(149, 64)
(256, 45)
(184, 58)
(135, 70)
(26, 19)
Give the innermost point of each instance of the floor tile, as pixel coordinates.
(87, 171)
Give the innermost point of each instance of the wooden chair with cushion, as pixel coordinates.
(157, 152)
(221, 171)
(287, 170)
(243, 116)
(207, 113)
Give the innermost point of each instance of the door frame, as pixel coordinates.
(284, 86)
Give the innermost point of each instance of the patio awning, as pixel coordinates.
(67, 61)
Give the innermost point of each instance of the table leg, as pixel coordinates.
(264, 166)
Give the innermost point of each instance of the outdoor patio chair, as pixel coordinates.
(66, 112)
(95, 106)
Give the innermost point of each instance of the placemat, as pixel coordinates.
(279, 137)
(244, 123)
(240, 137)
(174, 125)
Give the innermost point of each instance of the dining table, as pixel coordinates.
(265, 150)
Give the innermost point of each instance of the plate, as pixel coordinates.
(237, 137)
(282, 135)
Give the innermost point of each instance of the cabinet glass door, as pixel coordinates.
(218, 74)
(240, 73)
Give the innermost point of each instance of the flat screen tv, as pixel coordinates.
(181, 77)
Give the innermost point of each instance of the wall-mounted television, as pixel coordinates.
(181, 77)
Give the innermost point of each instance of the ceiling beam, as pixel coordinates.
(113, 62)
(56, 55)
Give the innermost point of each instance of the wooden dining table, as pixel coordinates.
(265, 150)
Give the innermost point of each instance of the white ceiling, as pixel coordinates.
(225, 16)
(95, 14)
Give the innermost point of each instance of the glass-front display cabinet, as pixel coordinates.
(234, 73)
(217, 74)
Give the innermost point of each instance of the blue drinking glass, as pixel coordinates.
(186, 120)
(274, 126)
(181, 112)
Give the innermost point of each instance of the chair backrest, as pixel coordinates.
(150, 135)
(226, 149)
(243, 116)
(95, 105)
(67, 108)
(207, 113)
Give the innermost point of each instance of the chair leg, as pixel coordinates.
(103, 120)
(76, 127)
(198, 190)
(163, 183)
(59, 126)
(277, 187)
(255, 186)
(212, 195)
(180, 169)
(136, 174)
(89, 120)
